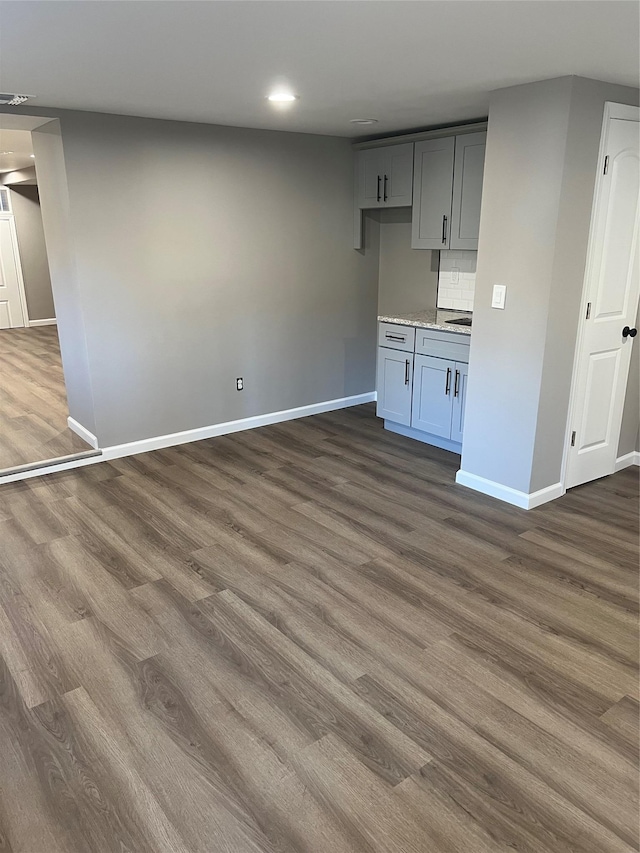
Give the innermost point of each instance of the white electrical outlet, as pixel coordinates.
(499, 296)
(455, 275)
(239, 383)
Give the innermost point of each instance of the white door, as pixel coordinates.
(612, 287)
(433, 388)
(395, 369)
(12, 314)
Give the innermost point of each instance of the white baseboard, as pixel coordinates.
(632, 458)
(523, 500)
(83, 432)
(160, 441)
(50, 322)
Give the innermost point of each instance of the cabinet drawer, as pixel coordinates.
(442, 344)
(396, 337)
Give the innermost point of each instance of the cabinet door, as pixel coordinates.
(467, 190)
(432, 188)
(433, 395)
(395, 372)
(397, 178)
(370, 170)
(459, 399)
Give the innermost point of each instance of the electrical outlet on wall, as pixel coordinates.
(239, 383)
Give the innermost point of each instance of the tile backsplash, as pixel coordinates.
(457, 280)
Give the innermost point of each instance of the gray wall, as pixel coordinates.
(539, 178)
(54, 202)
(205, 253)
(33, 253)
(408, 278)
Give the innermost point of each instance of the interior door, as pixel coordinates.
(612, 286)
(11, 311)
(432, 395)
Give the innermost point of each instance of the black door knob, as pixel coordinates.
(629, 333)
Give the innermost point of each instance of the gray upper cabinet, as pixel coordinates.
(385, 176)
(447, 190)
(432, 189)
(467, 190)
(370, 170)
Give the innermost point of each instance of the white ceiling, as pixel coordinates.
(18, 142)
(408, 64)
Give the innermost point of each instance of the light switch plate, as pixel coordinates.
(499, 296)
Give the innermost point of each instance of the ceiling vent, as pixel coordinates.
(13, 100)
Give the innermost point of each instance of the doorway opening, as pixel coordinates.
(34, 412)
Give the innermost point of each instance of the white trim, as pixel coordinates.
(50, 322)
(52, 466)
(158, 442)
(83, 432)
(523, 500)
(632, 458)
(16, 257)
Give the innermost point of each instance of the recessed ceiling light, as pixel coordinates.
(2, 153)
(363, 121)
(33, 156)
(282, 97)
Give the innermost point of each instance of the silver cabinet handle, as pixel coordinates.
(385, 187)
(444, 229)
(406, 372)
(378, 194)
(447, 386)
(455, 384)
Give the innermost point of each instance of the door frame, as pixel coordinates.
(16, 256)
(612, 110)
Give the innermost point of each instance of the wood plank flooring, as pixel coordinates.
(33, 401)
(307, 638)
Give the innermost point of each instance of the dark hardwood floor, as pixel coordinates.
(307, 638)
(33, 400)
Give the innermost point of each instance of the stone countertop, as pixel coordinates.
(430, 318)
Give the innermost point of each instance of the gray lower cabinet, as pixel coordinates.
(422, 382)
(395, 379)
(459, 400)
(439, 392)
